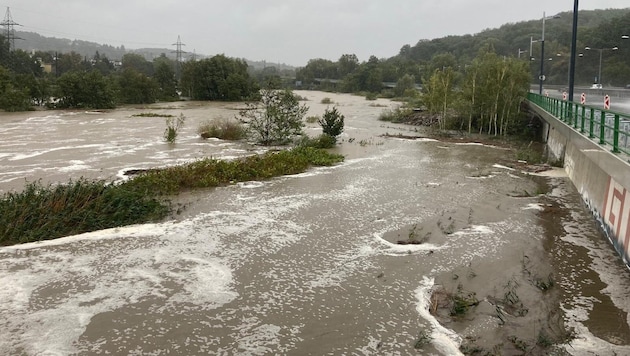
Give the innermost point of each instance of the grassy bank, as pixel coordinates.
(47, 212)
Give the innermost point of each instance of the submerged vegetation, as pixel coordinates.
(151, 114)
(47, 212)
(223, 129)
(173, 125)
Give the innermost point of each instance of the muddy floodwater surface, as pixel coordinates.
(410, 246)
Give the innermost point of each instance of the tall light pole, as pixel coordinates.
(601, 52)
(541, 77)
(573, 50)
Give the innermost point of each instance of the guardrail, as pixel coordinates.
(608, 127)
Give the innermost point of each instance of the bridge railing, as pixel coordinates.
(607, 127)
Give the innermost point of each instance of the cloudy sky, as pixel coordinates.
(287, 31)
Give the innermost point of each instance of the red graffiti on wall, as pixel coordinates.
(617, 213)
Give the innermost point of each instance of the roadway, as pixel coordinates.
(619, 97)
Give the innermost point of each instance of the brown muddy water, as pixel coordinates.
(504, 263)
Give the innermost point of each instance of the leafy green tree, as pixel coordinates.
(85, 90)
(20, 62)
(317, 69)
(218, 78)
(165, 79)
(405, 85)
(12, 97)
(15, 99)
(101, 63)
(67, 62)
(439, 93)
(347, 64)
(136, 88)
(138, 63)
(276, 118)
(368, 77)
(332, 122)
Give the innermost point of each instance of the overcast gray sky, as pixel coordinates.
(287, 31)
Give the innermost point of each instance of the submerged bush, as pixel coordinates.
(395, 115)
(223, 129)
(211, 172)
(47, 212)
(173, 124)
(321, 141)
(332, 123)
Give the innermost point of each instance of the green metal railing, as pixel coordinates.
(604, 126)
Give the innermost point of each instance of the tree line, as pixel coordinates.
(597, 29)
(68, 80)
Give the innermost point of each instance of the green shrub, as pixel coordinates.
(332, 123)
(321, 141)
(223, 129)
(395, 115)
(151, 114)
(276, 119)
(327, 100)
(48, 212)
(173, 124)
(312, 119)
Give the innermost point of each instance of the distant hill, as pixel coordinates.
(31, 41)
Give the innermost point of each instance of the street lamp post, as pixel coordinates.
(573, 49)
(541, 77)
(601, 52)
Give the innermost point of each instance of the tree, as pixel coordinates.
(276, 118)
(85, 90)
(347, 64)
(137, 62)
(165, 78)
(12, 97)
(405, 85)
(136, 88)
(439, 93)
(67, 62)
(217, 78)
(332, 123)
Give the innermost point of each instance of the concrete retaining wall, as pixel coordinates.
(601, 177)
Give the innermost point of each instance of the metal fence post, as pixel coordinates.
(602, 128)
(591, 119)
(616, 135)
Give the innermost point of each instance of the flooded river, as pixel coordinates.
(308, 264)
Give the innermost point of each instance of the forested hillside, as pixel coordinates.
(597, 29)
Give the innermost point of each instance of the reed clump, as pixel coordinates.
(43, 212)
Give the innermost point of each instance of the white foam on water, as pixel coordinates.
(533, 206)
(585, 343)
(251, 184)
(392, 249)
(75, 166)
(553, 172)
(500, 166)
(17, 157)
(51, 290)
(489, 176)
(261, 340)
(474, 230)
(445, 340)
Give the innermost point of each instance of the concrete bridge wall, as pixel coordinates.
(601, 177)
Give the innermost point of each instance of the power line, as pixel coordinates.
(178, 55)
(9, 24)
